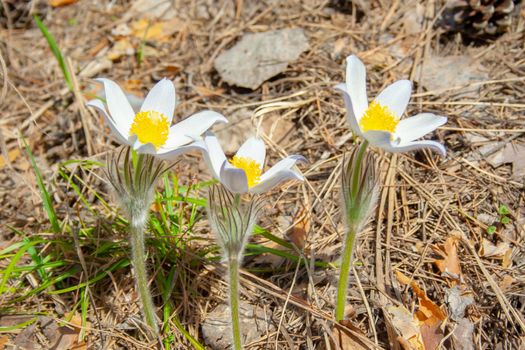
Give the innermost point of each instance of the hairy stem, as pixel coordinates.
(233, 267)
(344, 275)
(138, 256)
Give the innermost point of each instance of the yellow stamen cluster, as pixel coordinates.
(151, 127)
(250, 167)
(378, 117)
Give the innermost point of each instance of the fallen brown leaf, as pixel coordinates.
(457, 300)
(206, 92)
(449, 264)
(489, 250)
(462, 336)
(12, 155)
(407, 327)
(145, 29)
(297, 234)
(429, 315)
(3, 341)
(60, 3)
(346, 338)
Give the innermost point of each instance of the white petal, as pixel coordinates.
(195, 125)
(412, 128)
(416, 145)
(118, 106)
(253, 148)
(356, 85)
(161, 99)
(213, 154)
(383, 140)
(396, 96)
(173, 153)
(377, 138)
(233, 178)
(146, 148)
(100, 106)
(280, 172)
(350, 116)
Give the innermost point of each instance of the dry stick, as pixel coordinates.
(274, 290)
(286, 303)
(505, 304)
(79, 99)
(367, 305)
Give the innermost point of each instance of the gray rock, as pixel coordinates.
(216, 328)
(445, 72)
(260, 56)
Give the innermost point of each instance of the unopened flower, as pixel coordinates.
(244, 172)
(232, 219)
(380, 121)
(149, 130)
(360, 186)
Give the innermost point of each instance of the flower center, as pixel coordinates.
(378, 117)
(250, 167)
(151, 127)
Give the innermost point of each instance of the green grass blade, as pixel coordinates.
(46, 198)
(56, 51)
(9, 270)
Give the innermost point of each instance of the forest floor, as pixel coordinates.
(440, 264)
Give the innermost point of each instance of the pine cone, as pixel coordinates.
(19, 13)
(478, 18)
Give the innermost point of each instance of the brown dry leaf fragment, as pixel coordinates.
(297, 234)
(489, 250)
(60, 3)
(122, 47)
(145, 29)
(432, 335)
(206, 92)
(506, 282)
(448, 266)
(462, 336)
(407, 327)
(12, 155)
(428, 311)
(4, 340)
(347, 338)
(429, 317)
(402, 278)
(511, 153)
(457, 300)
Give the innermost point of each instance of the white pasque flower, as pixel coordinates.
(380, 121)
(244, 172)
(149, 130)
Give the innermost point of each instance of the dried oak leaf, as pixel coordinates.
(429, 316)
(60, 3)
(347, 337)
(4, 340)
(297, 235)
(449, 264)
(407, 327)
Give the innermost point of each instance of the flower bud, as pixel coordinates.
(360, 185)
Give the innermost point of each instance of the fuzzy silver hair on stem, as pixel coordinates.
(232, 220)
(134, 186)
